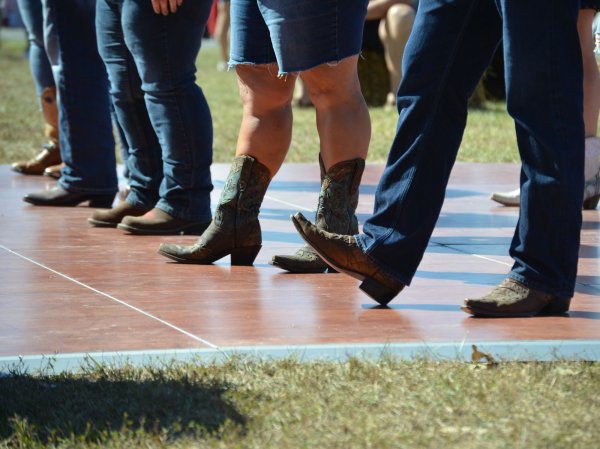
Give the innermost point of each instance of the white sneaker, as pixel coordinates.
(510, 199)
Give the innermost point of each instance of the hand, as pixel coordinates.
(165, 6)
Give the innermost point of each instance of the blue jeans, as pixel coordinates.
(31, 13)
(163, 113)
(298, 35)
(450, 46)
(86, 141)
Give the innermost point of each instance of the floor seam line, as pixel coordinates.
(112, 298)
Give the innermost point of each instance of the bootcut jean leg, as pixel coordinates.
(86, 140)
(164, 49)
(448, 51)
(144, 158)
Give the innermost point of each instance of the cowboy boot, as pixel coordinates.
(335, 213)
(50, 154)
(235, 229)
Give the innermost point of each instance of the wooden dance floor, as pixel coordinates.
(71, 292)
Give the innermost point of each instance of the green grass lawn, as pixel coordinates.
(489, 136)
(249, 403)
(289, 405)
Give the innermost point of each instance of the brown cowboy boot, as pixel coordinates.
(50, 154)
(335, 213)
(235, 229)
(112, 217)
(513, 299)
(343, 253)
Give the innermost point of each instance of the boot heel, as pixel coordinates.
(557, 307)
(378, 291)
(591, 202)
(244, 256)
(102, 201)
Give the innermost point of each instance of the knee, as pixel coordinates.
(329, 86)
(401, 14)
(261, 91)
(399, 20)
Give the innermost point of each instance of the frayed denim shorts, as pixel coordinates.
(298, 35)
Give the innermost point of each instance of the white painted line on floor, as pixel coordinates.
(287, 203)
(106, 295)
(492, 260)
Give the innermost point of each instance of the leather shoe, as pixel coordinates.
(513, 299)
(158, 222)
(58, 196)
(112, 217)
(343, 254)
(50, 155)
(54, 170)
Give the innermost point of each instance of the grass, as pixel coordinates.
(489, 136)
(283, 404)
(286, 404)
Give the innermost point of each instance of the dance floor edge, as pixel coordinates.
(71, 293)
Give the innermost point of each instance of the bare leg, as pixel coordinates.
(343, 120)
(394, 31)
(266, 129)
(591, 92)
(222, 31)
(591, 77)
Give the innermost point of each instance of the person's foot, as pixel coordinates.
(58, 196)
(50, 155)
(343, 254)
(54, 171)
(510, 199)
(112, 217)
(513, 299)
(158, 222)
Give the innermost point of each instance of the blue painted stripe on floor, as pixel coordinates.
(537, 350)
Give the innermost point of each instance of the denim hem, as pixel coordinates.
(134, 199)
(74, 189)
(293, 71)
(382, 266)
(165, 207)
(541, 287)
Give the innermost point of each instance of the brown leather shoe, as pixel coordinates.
(57, 196)
(50, 155)
(112, 217)
(54, 170)
(513, 299)
(343, 254)
(158, 222)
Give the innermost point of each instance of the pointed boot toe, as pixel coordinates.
(305, 260)
(343, 253)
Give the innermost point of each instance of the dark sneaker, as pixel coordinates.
(158, 222)
(112, 217)
(513, 299)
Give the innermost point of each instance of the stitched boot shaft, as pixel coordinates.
(339, 198)
(235, 228)
(336, 210)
